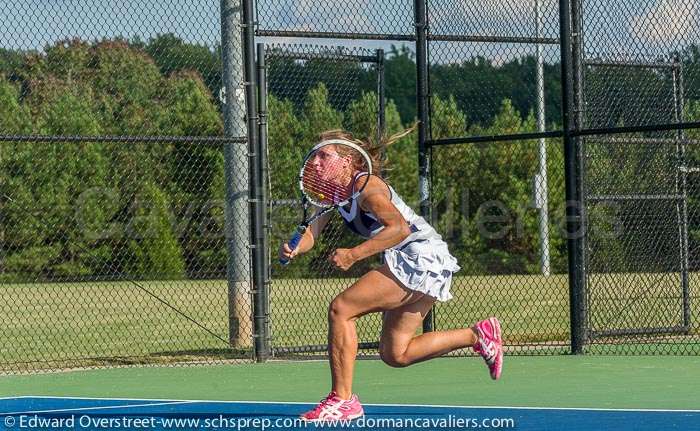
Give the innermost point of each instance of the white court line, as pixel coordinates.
(175, 401)
(26, 412)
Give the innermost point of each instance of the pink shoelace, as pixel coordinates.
(324, 402)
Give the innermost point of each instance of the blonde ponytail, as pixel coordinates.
(375, 150)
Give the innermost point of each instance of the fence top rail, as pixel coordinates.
(335, 35)
(410, 38)
(493, 39)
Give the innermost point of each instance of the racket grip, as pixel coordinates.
(293, 244)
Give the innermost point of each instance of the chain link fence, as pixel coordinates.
(113, 230)
(639, 189)
(498, 179)
(640, 291)
(312, 89)
(124, 221)
(509, 237)
(494, 71)
(386, 19)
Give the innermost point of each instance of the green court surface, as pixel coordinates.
(630, 382)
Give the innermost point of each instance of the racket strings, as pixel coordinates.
(328, 177)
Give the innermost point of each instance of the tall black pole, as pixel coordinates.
(682, 187)
(261, 272)
(381, 114)
(256, 246)
(577, 49)
(423, 104)
(381, 96)
(571, 169)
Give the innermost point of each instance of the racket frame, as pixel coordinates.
(325, 143)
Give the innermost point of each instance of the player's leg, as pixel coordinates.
(378, 290)
(400, 347)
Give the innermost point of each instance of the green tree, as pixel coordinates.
(285, 147)
(195, 184)
(479, 84)
(48, 177)
(172, 54)
(70, 112)
(483, 193)
(190, 107)
(130, 87)
(14, 117)
(109, 87)
(362, 116)
(10, 62)
(692, 160)
(400, 81)
(318, 115)
(455, 169)
(153, 244)
(285, 152)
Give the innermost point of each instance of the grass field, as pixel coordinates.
(536, 308)
(90, 321)
(69, 324)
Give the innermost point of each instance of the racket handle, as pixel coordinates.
(293, 244)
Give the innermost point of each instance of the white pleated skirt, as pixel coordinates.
(424, 265)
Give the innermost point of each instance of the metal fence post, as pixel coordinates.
(256, 211)
(581, 238)
(381, 96)
(541, 181)
(571, 166)
(423, 108)
(261, 268)
(236, 178)
(381, 114)
(580, 148)
(682, 184)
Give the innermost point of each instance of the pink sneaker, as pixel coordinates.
(333, 408)
(489, 345)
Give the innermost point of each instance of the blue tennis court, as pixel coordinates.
(97, 413)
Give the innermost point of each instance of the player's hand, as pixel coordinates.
(342, 258)
(287, 253)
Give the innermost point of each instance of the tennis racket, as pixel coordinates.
(328, 179)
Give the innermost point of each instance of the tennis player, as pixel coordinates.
(417, 272)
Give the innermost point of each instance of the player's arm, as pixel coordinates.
(376, 199)
(312, 232)
(308, 239)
